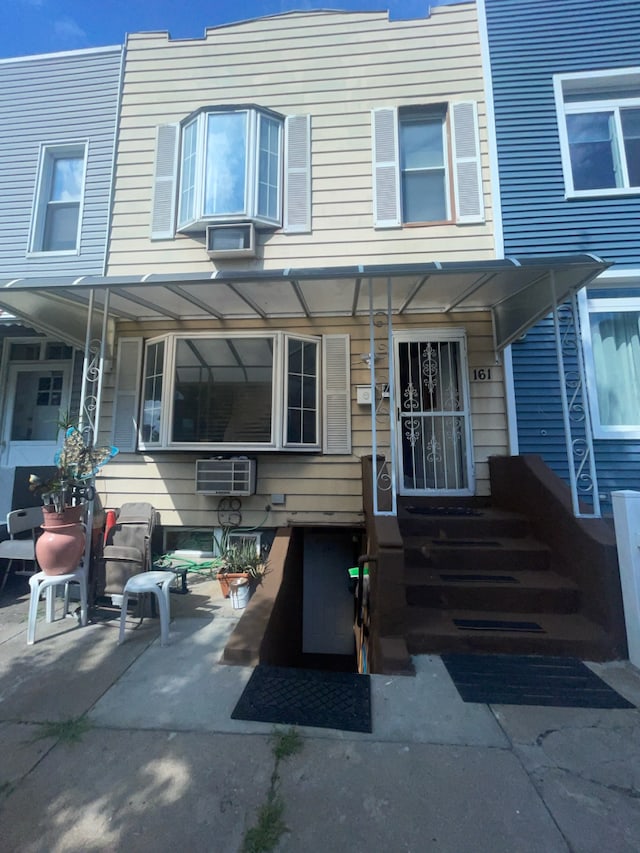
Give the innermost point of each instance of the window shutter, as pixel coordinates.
(164, 182)
(125, 406)
(297, 175)
(386, 168)
(336, 388)
(467, 172)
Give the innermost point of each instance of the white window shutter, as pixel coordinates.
(386, 168)
(297, 174)
(125, 404)
(336, 388)
(467, 172)
(163, 208)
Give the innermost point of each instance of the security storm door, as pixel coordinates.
(434, 429)
(36, 397)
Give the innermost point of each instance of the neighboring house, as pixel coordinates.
(565, 81)
(56, 159)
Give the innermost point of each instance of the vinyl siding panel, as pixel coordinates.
(528, 44)
(335, 67)
(57, 99)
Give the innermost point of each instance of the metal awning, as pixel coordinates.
(518, 292)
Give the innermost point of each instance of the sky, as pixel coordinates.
(49, 26)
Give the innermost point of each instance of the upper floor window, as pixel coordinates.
(231, 167)
(599, 125)
(232, 164)
(58, 204)
(426, 165)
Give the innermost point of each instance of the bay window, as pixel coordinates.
(249, 390)
(230, 167)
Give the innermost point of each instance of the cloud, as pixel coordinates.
(69, 30)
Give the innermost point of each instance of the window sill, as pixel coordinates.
(42, 254)
(581, 195)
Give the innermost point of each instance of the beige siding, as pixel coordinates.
(336, 67)
(318, 489)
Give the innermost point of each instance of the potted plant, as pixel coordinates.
(59, 548)
(236, 560)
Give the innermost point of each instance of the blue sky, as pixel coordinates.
(45, 26)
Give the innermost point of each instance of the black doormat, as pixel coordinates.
(530, 680)
(467, 578)
(442, 510)
(306, 697)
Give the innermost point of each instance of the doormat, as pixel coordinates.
(306, 697)
(557, 682)
(442, 510)
(498, 625)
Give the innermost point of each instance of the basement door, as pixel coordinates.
(432, 409)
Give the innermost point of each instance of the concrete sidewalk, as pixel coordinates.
(164, 768)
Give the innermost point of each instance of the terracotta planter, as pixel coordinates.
(61, 544)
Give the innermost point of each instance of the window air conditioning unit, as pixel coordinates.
(231, 240)
(234, 476)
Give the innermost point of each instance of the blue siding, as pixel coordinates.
(529, 42)
(57, 98)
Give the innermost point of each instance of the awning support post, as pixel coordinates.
(583, 478)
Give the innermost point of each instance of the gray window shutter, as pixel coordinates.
(467, 171)
(163, 209)
(125, 404)
(386, 168)
(336, 388)
(297, 174)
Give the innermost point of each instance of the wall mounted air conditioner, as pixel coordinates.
(231, 240)
(234, 476)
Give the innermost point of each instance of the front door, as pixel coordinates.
(36, 396)
(433, 420)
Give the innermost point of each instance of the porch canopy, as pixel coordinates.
(517, 291)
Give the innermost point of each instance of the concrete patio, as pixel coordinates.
(163, 767)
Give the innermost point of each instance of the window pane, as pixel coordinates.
(226, 163)
(424, 196)
(593, 151)
(631, 132)
(187, 211)
(302, 392)
(66, 182)
(421, 143)
(616, 354)
(268, 167)
(152, 404)
(61, 227)
(223, 390)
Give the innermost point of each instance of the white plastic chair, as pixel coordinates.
(41, 583)
(19, 521)
(158, 584)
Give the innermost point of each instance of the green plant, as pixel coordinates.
(264, 836)
(238, 555)
(66, 731)
(76, 463)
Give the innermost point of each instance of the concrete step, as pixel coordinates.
(499, 554)
(461, 522)
(520, 591)
(431, 630)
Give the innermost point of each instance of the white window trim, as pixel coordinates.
(586, 308)
(406, 116)
(278, 399)
(285, 392)
(563, 109)
(49, 152)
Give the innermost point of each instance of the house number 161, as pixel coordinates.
(481, 374)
